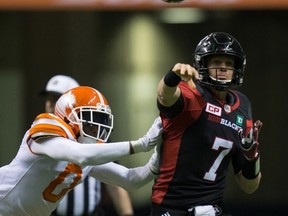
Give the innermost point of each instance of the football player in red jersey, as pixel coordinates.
(207, 124)
(60, 150)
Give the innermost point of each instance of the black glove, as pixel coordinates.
(250, 144)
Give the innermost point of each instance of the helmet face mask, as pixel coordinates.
(223, 44)
(94, 123)
(218, 82)
(87, 112)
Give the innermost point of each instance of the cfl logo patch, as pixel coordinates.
(210, 108)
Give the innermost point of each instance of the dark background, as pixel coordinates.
(41, 44)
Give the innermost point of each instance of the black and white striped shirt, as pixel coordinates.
(82, 200)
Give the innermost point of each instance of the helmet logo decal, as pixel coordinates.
(69, 100)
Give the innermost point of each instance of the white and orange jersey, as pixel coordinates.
(34, 184)
(50, 162)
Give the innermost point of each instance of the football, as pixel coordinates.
(172, 1)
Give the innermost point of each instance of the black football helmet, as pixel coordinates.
(219, 43)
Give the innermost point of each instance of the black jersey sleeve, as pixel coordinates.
(173, 110)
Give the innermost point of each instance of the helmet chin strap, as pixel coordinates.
(217, 80)
(83, 139)
(219, 85)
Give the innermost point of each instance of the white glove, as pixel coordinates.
(154, 161)
(151, 139)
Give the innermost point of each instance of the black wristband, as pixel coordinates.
(171, 79)
(251, 169)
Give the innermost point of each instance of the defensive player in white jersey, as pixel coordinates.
(59, 151)
(85, 198)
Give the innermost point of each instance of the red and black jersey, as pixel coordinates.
(200, 138)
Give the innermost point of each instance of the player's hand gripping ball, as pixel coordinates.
(172, 1)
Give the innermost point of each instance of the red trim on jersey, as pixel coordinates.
(249, 125)
(173, 131)
(234, 106)
(237, 102)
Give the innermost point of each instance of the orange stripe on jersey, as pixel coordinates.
(44, 128)
(49, 116)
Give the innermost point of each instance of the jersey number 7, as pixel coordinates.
(227, 145)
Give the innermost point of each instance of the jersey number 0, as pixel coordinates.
(50, 194)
